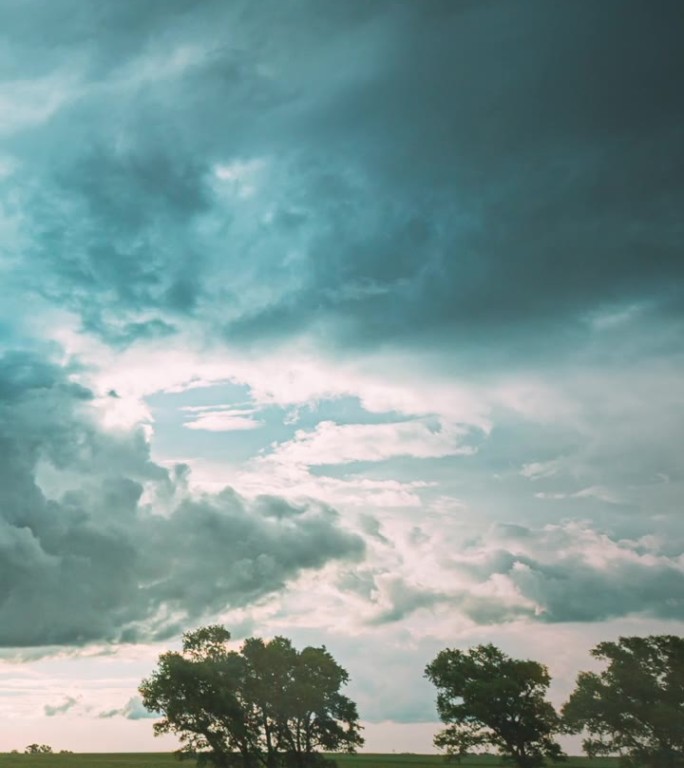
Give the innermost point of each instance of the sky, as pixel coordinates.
(359, 323)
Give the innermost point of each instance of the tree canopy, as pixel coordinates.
(38, 749)
(266, 705)
(635, 707)
(487, 698)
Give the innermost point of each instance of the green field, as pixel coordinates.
(166, 760)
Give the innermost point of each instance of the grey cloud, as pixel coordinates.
(371, 526)
(572, 572)
(569, 591)
(84, 558)
(60, 709)
(133, 710)
(360, 581)
(569, 572)
(404, 599)
(476, 171)
(487, 202)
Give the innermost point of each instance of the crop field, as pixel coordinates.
(167, 760)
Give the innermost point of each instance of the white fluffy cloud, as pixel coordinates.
(221, 418)
(332, 443)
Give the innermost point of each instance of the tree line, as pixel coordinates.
(269, 705)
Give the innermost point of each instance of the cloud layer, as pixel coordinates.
(474, 175)
(356, 322)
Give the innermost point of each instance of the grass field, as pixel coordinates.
(166, 760)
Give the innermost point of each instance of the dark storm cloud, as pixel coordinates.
(467, 171)
(83, 556)
(521, 163)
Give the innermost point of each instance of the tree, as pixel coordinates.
(489, 699)
(38, 749)
(267, 705)
(297, 696)
(199, 692)
(635, 707)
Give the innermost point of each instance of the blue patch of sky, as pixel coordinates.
(6, 332)
(174, 440)
(343, 410)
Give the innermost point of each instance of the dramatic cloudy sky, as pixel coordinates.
(357, 322)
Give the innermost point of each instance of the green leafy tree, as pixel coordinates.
(267, 705)
(200, 693)
(635, 707)
(488, 699)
